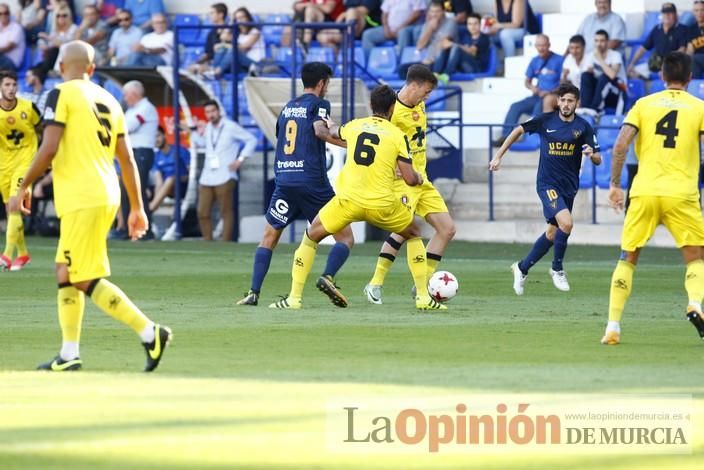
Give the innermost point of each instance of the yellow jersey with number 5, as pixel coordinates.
(669, 125)
(413, 122)
(18, 139)
(84, 170)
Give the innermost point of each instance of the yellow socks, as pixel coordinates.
(111, 300)
(694, 283)
(415, 252)
(383, 264)
(432, 263)
(71, 304)
(302, 263)
(15, 235)
(621, 283)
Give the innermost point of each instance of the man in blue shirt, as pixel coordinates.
(545, 69)
(302, 185)
(564, 139)
(143, 10)
(165, 170)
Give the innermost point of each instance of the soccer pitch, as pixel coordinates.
(248, 387)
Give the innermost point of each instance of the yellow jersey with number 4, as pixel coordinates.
(669, 125)
(84, 170)
(374, 145)
(413, 122)
(18, 139)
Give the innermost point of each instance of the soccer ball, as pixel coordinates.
(443, 286)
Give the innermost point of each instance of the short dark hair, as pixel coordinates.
(220, 8)
(437, 3)
(421, 73)
(161, 130)
(39, 72)
(578, 39)
(567, 88)
(382, 98)
(211, 102)
(313, 72)
(475, 15)
(602, 32)
(7, 73)
(677, 67)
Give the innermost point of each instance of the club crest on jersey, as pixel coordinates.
(576, 133)
(23, 115)
(415, 115)
(10, 120)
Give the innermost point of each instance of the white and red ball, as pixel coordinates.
(443, 286)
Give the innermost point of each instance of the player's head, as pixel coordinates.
(576, 46)
(77, 60)
(160, 138)
(212, 111)
(316, 77)
(132, 92)
(567, 99)
(8, 84)
(601, 40)
(676, 69)
(474, 22)
(420, 82)
(383, 100)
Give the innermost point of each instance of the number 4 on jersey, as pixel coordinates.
(667, 126)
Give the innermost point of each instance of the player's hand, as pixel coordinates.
(137, 224)
(22, 202)
(587, 150)
(495, 164)
(616, 199)
(234, 166)
(419, 178)
(328, 121)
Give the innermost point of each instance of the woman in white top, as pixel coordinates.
(250, 42)
(62, 31)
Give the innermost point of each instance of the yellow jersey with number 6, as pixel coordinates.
(669, 125)
(84, 170)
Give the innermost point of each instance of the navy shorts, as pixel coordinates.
(288, 203)
(554, 202)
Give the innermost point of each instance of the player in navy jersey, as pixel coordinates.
(302, 185)
(564, 139)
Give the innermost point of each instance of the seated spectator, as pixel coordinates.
(604, 78)
(664, 38)
(509, 25)
(155, 48)
(470, 57)
(32, 18)
(218, 16)
(35, 79)
(94, 31)
(12, 40)
(395, 15)
(459, 10)
(574, 63)
(603, 19)
(123, 39)
(546, 69)
(109, 11)
(695, 47)
(62, 31)
(144, 12)
(364, 14)
(51, 7)
(164, 170)
(312, 11)
(435, 30)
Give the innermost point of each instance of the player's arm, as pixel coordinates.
(323, 132)
(137, 224)
(623, 141)
(515, 134)
(409, 175)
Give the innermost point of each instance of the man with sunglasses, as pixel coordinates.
(12, 40)
(123, 39)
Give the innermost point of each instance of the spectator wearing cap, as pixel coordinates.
(695, 47)
(606, 20)
(666, 37)
(12, 40)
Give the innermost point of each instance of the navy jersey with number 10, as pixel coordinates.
(300, 155)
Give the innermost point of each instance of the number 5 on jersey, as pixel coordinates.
(102, 114)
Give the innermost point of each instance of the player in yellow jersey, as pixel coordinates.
(409, 115)
(84, 131)
(18, 143)
(666, 127)
(376, 149)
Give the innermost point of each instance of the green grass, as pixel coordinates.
(248, 387)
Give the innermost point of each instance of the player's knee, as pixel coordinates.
(566, 226)
(449, 231)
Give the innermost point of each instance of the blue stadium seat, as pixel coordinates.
(607, 136)
(657, 85)
(687, 18)
(589, 118)
(190, 54)
(434, 103)
(272, 33)
(26, 60)
(489, 72)
(529, 143)
(382, 62)
(411, 55)
(651, 20)
(696, 87)
(603, 172)
(321, 54)
(636, 90)
(360, 59)
(191, 36)
(113, 88)
(587, 177)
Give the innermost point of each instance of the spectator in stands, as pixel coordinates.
(605, 77)
(545, 69)
(123, 40)
(94, 31)
(35, 79)
(218, 16)
(435, 30)
(574, 64)
(695, 47)
(144, 12)
(666, 37)
(109, 11)
(364, 14)
(62, 31)
(32, 18)
(459, 10)
(155, 48)
(52, 7)
(603, 19)
(470, 57)
(12, 40)
(312, 11)
(395, 15)
(222, 140)
(510, 22)
(164, 170)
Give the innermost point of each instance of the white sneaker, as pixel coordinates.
(559, 279)
(373, 294)
(519, 279)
